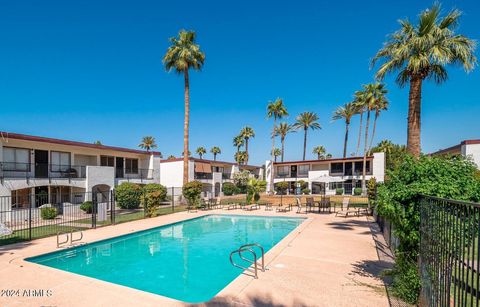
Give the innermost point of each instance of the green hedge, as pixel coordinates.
(87, 207)
(339, 191)
(128, 195)
(192, 191)
(48, 213)
(229, 188)
(357, 191)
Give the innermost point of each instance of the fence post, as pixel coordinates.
(173, 199)
(112, 206)
(94, 210)
(32, 200)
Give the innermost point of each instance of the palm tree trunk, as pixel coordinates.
(275, 159)
(318, 156)
(283, 147)
(364, 171)
(246, 151)
(186, 124)
(373, 131)
(414, 106)
(359, 133)
(214, 157)
(273, 155)
(346, 140)
(304, 143)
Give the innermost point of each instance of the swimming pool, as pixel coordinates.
(187, 261)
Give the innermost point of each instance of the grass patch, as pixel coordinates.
(37, 233)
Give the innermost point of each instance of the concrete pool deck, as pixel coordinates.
(326, 261)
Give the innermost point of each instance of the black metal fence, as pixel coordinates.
(30, 217)
(449, 252)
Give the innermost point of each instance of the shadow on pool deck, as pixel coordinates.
(350, 223)
(254, 301)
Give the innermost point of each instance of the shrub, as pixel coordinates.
(155, 187)
(357, 191)
(338, 191)
(371, 189)
(398, 200)
(229, 188)
(241, 180)
(48, 213)
(192, 191)
(87, 207)
(254, 188)
(151, 202)
(128, 195)
(306, 191)
(303, 184)
(281, 187)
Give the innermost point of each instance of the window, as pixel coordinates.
(16, 159)
(282, 171)
(336, 168)
(106, 161)
(131, 166)
(359, 167)
(60, 161)
(303, 169)
(218, 169)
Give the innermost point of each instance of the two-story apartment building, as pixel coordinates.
(325, 176)
(60, 169)
(468, 148)
(211, 173)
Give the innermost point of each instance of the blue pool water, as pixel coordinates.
(187, 261)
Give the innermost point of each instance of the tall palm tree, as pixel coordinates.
(97, 143)
(307, 120)
(420, 52)
(381, 104)
(276, 110)
(171, 157)
(182, 55)
(201, 151)
(282, 130)
(241, 157)
(320, 152)
(372, 93)
(346, 112)
(276, 152)
(247, 133)
(147, 143)
(238, 142)
(215, 151)
(359, 103)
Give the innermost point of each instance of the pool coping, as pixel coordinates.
(232, 288)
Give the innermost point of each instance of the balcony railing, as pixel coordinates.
(226, 175)
(141, 173)
(41, 170)
(203, 176)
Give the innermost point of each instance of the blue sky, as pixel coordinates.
(89, 70)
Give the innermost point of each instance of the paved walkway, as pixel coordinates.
(327, 261)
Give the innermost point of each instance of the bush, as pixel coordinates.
(281, 187)
(87, 207)
(372, 189)
(338, 191)
(128, 195)
(357, 191)
(152, 201)
(192, 191)
(155, 187)
(306, 191)
(229, 188)
(254, 188)
(48, 213)
(241, 180)
(398, 200)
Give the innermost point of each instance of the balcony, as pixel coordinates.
(202, 175)
(141, 173)
(14, 170)
(226, 176)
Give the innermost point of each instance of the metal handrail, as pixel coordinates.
(238, 251)
(59, 244)
(261, 249)
(75, 240)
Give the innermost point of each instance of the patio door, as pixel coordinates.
(119, 167)
(41, 163)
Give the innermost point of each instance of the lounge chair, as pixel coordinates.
(251, 207)
(231, 206)
(310, 204)
(4, 231)
(284, 208)
(345, 208)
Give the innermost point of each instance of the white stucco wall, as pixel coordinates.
(99, 175)
(378, 164)
(472, 151)
(171, 174)
(268, 174)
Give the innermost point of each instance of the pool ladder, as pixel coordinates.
(69, 237)
(249, 248)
